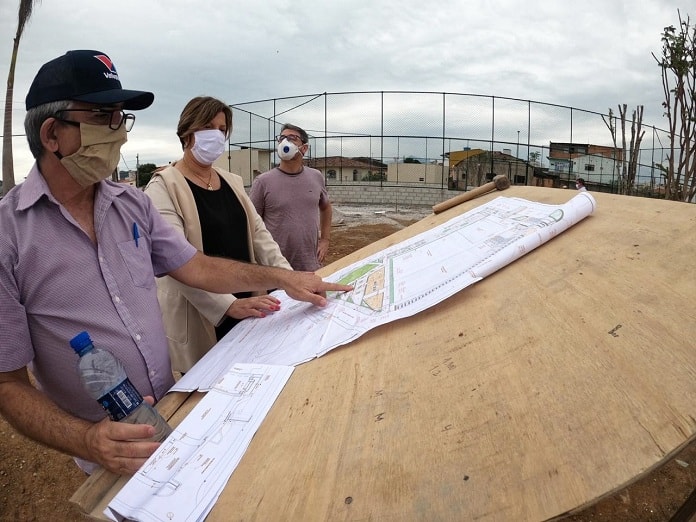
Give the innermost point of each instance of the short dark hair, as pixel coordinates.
(303, 134)
(580, 180)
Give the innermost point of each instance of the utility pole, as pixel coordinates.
(137, 168)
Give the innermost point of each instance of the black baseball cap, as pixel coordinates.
(87, 76)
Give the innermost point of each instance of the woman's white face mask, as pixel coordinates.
(208, 145)
(98, 155)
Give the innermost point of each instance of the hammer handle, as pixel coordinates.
(461, 198)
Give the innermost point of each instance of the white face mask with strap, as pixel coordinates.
(287, 150)
(208, 145)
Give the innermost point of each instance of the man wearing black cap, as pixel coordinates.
(79, 252)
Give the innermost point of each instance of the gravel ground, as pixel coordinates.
(354, 215)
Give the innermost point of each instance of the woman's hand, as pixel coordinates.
(257, 306)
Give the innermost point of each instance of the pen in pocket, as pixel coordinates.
(136, 233)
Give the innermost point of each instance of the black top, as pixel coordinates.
(224, 231)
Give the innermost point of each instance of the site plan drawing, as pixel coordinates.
(397, 282)
(182, 480)
(246, 370)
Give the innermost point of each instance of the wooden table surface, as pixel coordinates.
(550, 384)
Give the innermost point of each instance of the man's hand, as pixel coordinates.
(322, 249)
(309, 287)
(257, 306)
(120, 447)
(227, 276)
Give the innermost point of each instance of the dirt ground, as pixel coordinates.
(36, 483)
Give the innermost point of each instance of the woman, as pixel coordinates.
(211, 208)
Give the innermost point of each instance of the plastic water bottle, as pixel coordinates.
(105, 379)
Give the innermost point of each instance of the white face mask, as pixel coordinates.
(287, 150)
(98, 155)
(208, 145)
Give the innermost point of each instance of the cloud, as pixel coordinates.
(591, 55)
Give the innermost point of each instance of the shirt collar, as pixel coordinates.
(35, 186)
(32, 189)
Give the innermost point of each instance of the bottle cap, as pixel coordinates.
(81, 342)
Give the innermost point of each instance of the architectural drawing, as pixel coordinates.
(183, 478)
(397, 282)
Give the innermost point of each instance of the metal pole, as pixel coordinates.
(518, 155)
(444, 115)
(381, 137)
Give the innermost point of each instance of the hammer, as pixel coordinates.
(499, 182)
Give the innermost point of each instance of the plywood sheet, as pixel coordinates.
(552, 383)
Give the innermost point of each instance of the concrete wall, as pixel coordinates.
(345, 173)
(419, 195)
(423, 173)
(246, 162)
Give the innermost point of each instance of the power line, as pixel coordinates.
(124, 162)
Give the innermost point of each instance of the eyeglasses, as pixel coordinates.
(114, 118)
(297, 140)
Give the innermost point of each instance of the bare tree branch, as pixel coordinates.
(678, 65)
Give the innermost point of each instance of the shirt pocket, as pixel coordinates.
(137, 260)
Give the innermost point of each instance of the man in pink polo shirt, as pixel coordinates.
(79, 252)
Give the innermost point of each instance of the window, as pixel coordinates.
(331, 174)
(589, 167)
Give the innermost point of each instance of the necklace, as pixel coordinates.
(210, 177)
(209, 186)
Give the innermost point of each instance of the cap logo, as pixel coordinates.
(112, 74)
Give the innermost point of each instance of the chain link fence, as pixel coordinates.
(447, 140)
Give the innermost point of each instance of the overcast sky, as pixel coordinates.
(590, 55)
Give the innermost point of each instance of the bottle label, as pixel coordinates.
(121, 401)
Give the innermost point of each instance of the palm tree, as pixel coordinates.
(25, 9)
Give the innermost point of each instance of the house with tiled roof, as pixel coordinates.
(340, 168)
(474, 167)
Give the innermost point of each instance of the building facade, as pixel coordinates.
(598, 165)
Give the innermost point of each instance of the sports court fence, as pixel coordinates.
(451, 140)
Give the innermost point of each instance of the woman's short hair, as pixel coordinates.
(198, 113)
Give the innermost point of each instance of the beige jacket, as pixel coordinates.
(189, 314)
